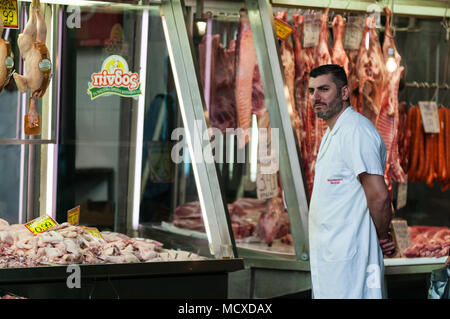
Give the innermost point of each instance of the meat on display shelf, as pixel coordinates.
(277, 248)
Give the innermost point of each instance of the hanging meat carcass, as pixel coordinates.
(32, 48)
(222, 108)
(338, 54)
(246, 65)
(323, 57)
(303, 65)
(388, 118)
(371, 73)
(403, 137)
(288, 60)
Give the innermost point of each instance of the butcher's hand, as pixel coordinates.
(447, 262)
(388, 247)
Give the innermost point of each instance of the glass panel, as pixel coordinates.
(167, 177)
(99, 134)
(234, 98)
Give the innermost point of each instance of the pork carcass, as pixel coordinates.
(388, 119)
(246, 64)
(288, 60)
(371, 73)
(302, 69)
(221, 79)
(323, 57)
(338, 54)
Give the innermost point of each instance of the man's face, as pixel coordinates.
(326, 99)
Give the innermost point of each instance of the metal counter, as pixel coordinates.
(156, 280)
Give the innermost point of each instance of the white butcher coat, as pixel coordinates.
(345, 256)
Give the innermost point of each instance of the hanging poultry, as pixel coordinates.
(38, 66)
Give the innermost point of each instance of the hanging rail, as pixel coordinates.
(426, 85)
(422, 8)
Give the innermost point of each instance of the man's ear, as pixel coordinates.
(345, 93)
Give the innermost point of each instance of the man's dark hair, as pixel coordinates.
(337, 71)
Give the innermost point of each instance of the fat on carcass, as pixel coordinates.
(31, 43)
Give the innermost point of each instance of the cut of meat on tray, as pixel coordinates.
(250, 217)
(428, 241)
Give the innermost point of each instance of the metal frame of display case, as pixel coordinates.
(216, 218)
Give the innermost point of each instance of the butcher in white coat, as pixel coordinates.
(350, 209)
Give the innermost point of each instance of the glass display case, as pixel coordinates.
(105, 159)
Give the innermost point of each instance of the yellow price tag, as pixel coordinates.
(41, 225)
(93, 231)
(73, 216)
(283, 29)
(9, 11)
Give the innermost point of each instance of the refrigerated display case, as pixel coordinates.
(106, 148)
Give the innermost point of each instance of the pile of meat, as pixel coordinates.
(68, 244)
(428, 154)
(264, 219)
(428, 242)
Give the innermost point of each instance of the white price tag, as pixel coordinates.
(311, 30)
(401, 234)
(402, 194)
(430, 117)
(354, 30)
(266, 185)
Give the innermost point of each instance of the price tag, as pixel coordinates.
(41, 224)
(266, 185)
(73, 216)
(402, 194)
(283, 29)
(8, 9)
(430, 117)
(402, 239)
(354, 30)
(93, 232)
(311, 29)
